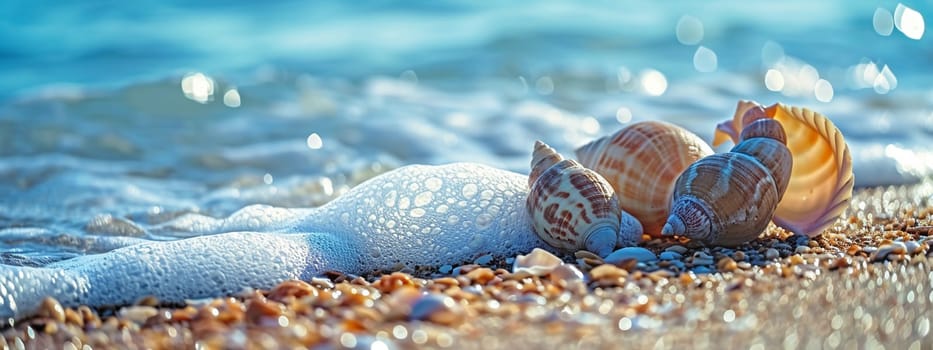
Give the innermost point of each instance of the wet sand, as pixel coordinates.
(865, 283)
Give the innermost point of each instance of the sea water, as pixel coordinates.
(117, 117)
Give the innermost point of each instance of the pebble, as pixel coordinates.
(679, 249)
(445, 269)
(670, 255)
(607, 272)
(51, 308)
(802, 249)
(483, 260)
(638, 253)
(772, 254)
(892, 248)
(437, 308)
(702, 258)
(726, 264)
(739, 256)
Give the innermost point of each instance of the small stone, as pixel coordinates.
(842, 262)
(481, 275)
(445, 269)
(586, 254)
(795, 260)
(853, 249)
(702, 258)
(726, 264)
(772, 254)
(437, 308)
(138, 314)
(892, 248)
(607, 272)
(679, 249)
(51, 308)
(739, 256)
(638, 253)
(913, 247)
(483, 260)
(670, 255)
(802, 249)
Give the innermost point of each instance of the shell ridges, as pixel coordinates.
(821, 182)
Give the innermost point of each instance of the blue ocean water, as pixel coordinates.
(118, 116)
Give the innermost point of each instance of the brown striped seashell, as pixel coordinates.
(641, 162)
(821, 182)
(728, 199)
(571, 207)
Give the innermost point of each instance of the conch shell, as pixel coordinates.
(641, 162)
(821, 182)
(728, 199)
(571, 207)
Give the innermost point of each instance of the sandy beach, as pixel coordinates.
(865, 283)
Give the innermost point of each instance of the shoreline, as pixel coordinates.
(865, 282)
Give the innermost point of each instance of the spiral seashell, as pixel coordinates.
(571, 207)
(729, 199)
(641, 162)
(821, 182)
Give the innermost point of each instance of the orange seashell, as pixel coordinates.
(642, 162)
(821, 182)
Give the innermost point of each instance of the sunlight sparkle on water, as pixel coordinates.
(623, 115)
(198, 87)
(689, 30)
(544, 85)
(704, 60)
(653, 82)
(792, 77)
(909, 22)
(823, 90)
(232, 98)
(885, 81)
(917, 163)
(774, 80)
(314, 141)
(883, 21)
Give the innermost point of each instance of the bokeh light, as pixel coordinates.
(232, 98)
(704, 60)
(883, 22)
(198, 87)
(909, 22)
(653, 82)
(689, 30)
(314, 141)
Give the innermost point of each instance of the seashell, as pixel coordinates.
(537, 263)
(728, 199)
(571, 207)
(821, 182)
(641, 162)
